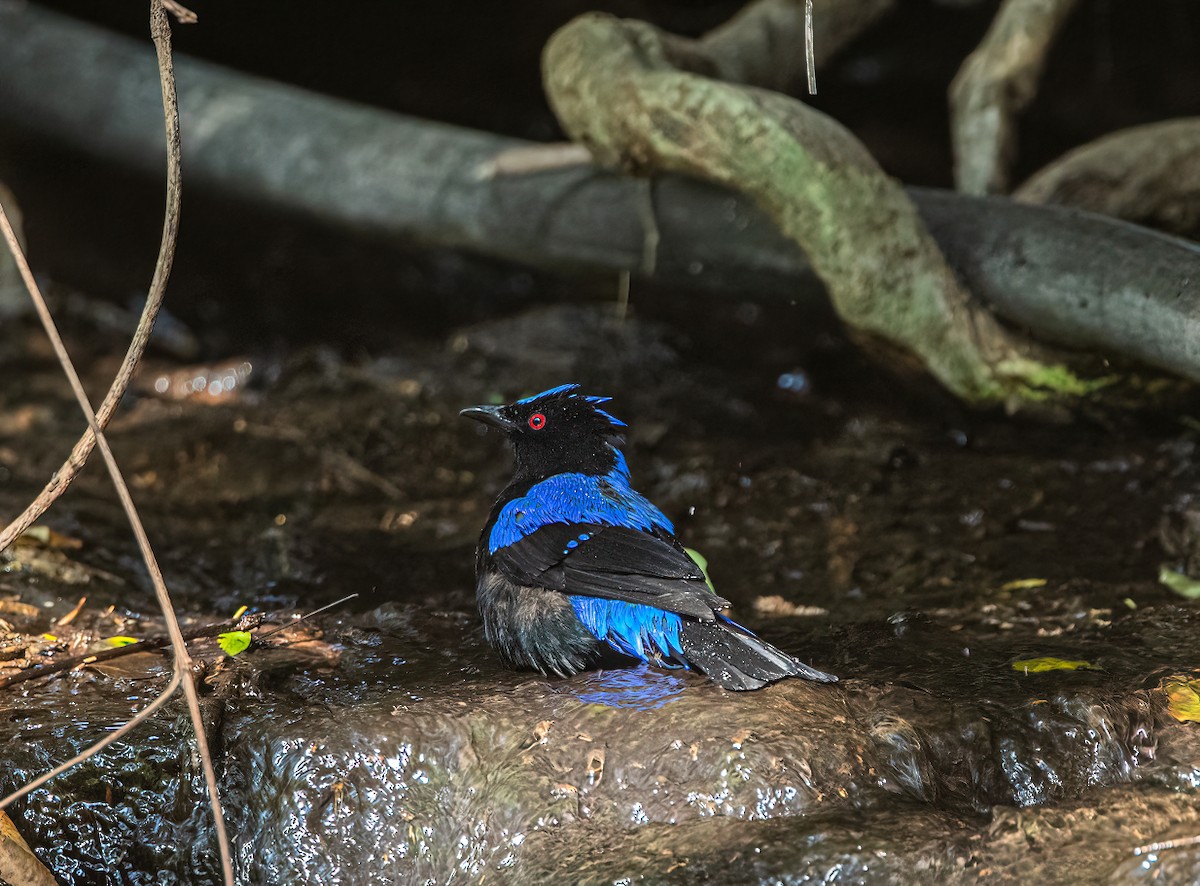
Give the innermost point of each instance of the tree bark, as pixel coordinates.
(994, 85)
(1147, 174)
(621, 88)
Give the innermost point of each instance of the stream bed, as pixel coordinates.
(987, 588)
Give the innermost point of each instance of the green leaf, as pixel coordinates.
(234, 642)
(1179, 583)
(702, 562)
(1041, 665)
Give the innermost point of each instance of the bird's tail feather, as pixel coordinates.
(736, 659)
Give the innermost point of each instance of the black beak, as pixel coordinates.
(489, 415)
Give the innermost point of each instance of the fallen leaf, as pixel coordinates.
(1023, 584)
(777, 605)
(16, 607)
(1041, 665)
(1183, 698)
(17, 860)
(119, 641)
(47, 536)
(234, 642)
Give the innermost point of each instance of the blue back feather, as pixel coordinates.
(577, 498)
(632, 628)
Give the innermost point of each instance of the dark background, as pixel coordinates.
(246, 275)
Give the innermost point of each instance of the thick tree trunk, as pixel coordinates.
(1069, 277)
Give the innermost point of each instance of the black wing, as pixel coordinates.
(613, 562)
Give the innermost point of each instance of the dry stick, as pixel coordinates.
(70, 663)
(183, 661)
(166, 256)
(182, 14)
(809, 47)
(160, 31)
(149, 644)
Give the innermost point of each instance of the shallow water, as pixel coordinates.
(394, 748)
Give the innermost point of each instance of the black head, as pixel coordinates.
(555, 431)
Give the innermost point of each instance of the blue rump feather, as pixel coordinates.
(576, 498)
(632, 628)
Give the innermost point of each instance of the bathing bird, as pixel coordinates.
(574, 564)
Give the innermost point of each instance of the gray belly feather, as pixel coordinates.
(533, 628)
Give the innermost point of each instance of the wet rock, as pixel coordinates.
(406, 753)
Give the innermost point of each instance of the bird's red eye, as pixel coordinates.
(537, 421)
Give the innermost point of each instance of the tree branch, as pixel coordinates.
(160, 31)
(1148, 174)
(162, 271)
(621, 88)
(1069, 277)
(149, 644)
(996, 82)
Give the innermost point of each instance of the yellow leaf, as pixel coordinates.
(1183, 698)
(120, 641)
(234, 642)
(1041, 665)
(702, 562)
(48, 537)
(241, 611)
(50, 638)
(1023, 584)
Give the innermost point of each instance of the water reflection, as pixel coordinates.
(641, 688)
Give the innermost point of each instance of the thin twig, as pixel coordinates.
(809, 47)
(183, 660)
(120, 732)
(651, 234)
(160, 31)
(182, 14)
(622, 306)
(149, 644)
(162, 270)
(146, 645)
(305, 617)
